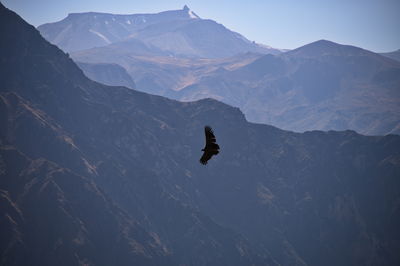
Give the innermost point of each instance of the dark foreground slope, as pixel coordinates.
(64, 167)
(102, 175)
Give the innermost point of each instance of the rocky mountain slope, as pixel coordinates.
(100, 175)
(176, 32)
(52, 120)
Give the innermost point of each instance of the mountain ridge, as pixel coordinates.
(81, 31)
(393, 55)
(332, 87)
(270, 197)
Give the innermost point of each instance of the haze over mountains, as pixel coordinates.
(99, 175)
(323, 85)
(161, 75)
(177, 32)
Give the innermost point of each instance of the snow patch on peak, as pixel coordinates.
(192, 14)
(101, 36)
(265, 46)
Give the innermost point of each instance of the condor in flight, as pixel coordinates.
(211, 148)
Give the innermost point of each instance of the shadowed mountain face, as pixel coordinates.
(177, 32)
(53, 216)
(51, 112)
(109, 74)
(91, 174)
(322, 85)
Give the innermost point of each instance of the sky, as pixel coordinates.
(285, 24)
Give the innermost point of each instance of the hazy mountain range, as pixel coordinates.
(161, 75)
(322, 85)
(177, 32)
(98, 175)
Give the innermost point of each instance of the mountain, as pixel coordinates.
(60, 206)
(177, 33)
(109, 74)
(394, 55)
(92, 174)
(157, 73)
(80, 31)
(322, 85)
(53, 216)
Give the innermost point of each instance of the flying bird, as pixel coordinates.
(211, 148)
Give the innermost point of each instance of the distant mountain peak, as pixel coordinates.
(325, 47)
(321, 43)
(190, 12)
(180, 32)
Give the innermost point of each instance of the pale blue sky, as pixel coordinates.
(370, 24)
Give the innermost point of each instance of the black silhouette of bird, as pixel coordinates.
(211, 148)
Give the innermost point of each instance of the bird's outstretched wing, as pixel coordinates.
(206, 156)
(210, 139)
(211, 148)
